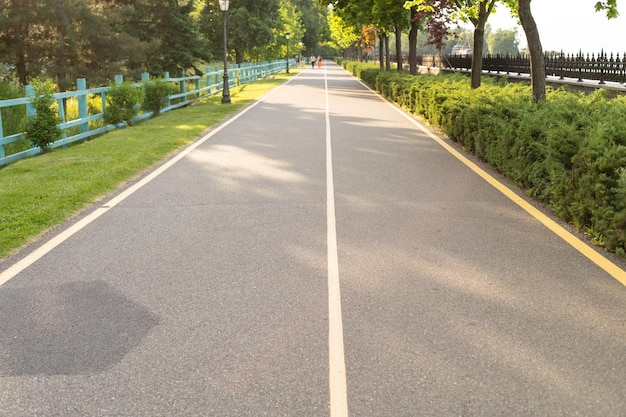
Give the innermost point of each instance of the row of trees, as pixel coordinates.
(95, 39)
(437, 17)
(500, 41)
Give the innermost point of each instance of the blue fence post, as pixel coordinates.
(166, 77)
(30, 93)
(144, 77)
(1, 136)
(29, 90)
(62, 117)
(183, 86)
(83, 111)
(119, 79)
(209, 78)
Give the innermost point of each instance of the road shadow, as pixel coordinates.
(75, 328)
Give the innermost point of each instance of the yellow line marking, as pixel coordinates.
(336, 356)
(609, 267)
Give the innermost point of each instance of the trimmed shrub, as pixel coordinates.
(569, 151)
(42, 128)
(122, 102)
(156, 93)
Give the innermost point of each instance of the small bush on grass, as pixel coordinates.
(122, 102)
(156, 93)
(42, 128)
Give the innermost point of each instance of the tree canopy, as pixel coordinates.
(96, 39)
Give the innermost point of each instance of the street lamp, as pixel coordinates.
(287, 36)
(225, 91)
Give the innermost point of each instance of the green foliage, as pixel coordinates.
(342, 34)
(156, 93)
(42, 128)
(122, 102)
(97, 39)
(503, 41)
(12, 117)
(569, 151)
(608, 6)
(76, 176)
(250, 28)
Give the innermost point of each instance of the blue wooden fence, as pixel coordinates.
(208, 84)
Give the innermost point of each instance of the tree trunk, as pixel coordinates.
(381, 50)
(413, 42)
(387, 54)
(479, 41)
(20, 67)
(61, 70)
(477, 55)
(399, 47)
(537, 63)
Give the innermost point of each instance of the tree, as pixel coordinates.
(250, 27)
(342, 35)
(387, 16)
(368, 38)
(439, 14)
(354, 15)
(290, 22)
(436, 16)
(521, 8)
(503, 41)
(479, 13)
(314, 22)
(537, 61)
(96, 39)
(178, 34)
(25, 33)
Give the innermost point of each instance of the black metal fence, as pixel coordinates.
(601, 67)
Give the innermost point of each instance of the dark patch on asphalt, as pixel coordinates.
(75, 328)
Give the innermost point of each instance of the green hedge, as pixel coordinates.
(569, 151)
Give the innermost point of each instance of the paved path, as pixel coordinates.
(213, 288)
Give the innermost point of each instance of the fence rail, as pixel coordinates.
(602, 67)
(89, 123)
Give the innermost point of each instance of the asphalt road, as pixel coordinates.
(318, 254)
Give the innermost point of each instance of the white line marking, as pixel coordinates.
(41, 251)
(336, 357)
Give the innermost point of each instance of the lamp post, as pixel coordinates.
(287, 36)
(225, 91)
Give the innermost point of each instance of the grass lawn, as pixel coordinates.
(41, 192)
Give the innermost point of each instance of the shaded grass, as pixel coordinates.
(41, 192)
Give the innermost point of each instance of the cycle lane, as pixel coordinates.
(455, 300)
(202, 293)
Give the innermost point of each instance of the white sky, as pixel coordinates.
(570, 26)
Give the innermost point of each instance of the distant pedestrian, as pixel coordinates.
(319, 62)
(313, 62)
